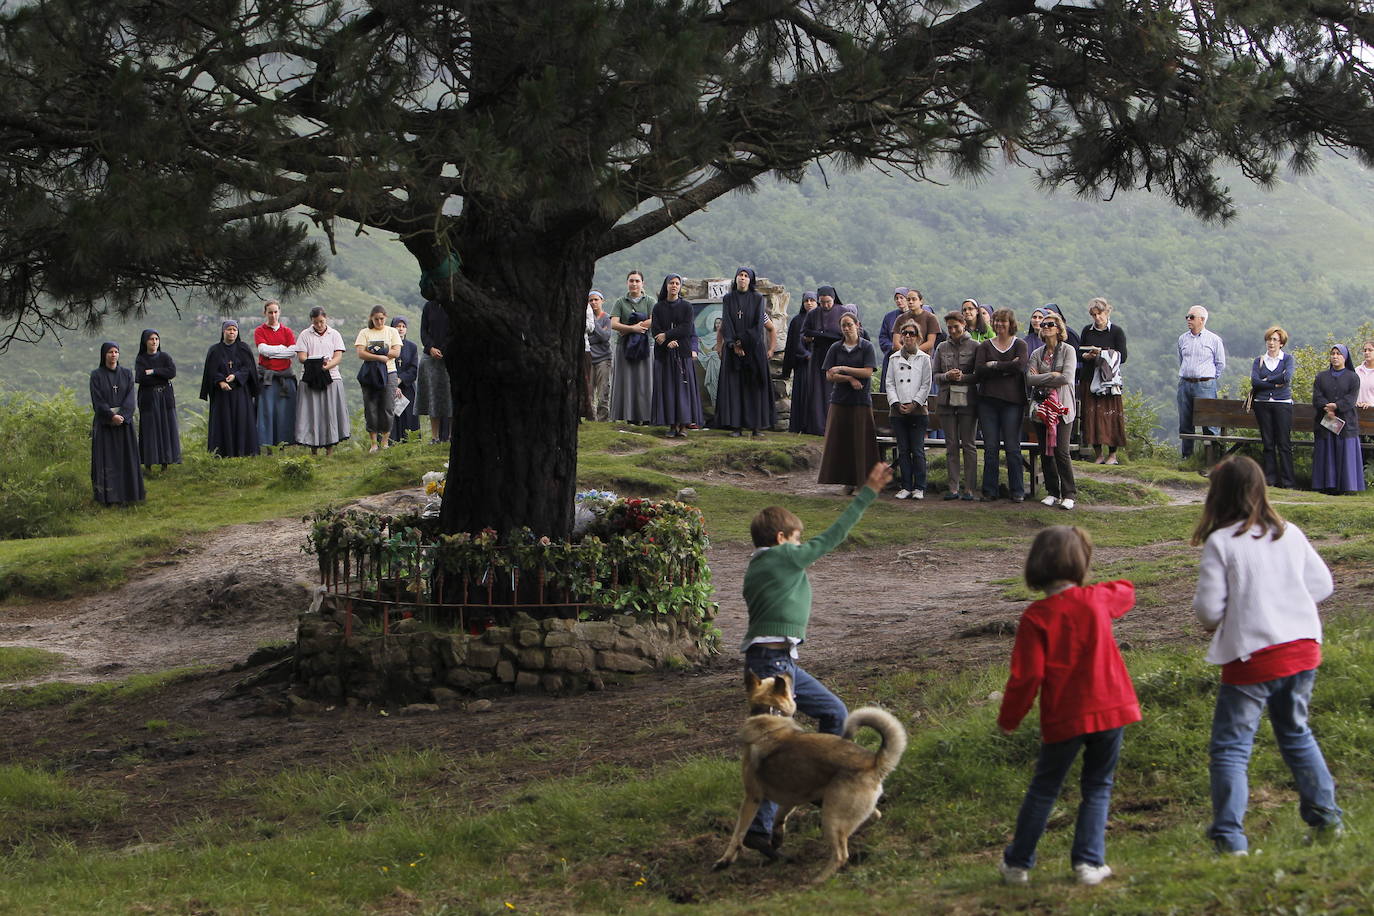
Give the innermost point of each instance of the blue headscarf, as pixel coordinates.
(1344, 351)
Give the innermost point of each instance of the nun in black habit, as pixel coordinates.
(115, 474)
(796, 362)
(676, 396)
(230, 384)
(159, 439)
(744, 394)
(820, 331)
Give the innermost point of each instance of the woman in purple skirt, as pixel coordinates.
(1337, 464)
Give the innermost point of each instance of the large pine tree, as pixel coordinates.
(157, 147)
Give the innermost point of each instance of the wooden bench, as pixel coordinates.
(887, 443)
(1229, 415)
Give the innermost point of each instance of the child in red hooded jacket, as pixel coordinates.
(1065, 651)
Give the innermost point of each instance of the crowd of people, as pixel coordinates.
(256, 400)
(966, 376)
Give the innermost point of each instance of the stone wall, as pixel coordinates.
(414, 664)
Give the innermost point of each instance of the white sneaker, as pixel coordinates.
(918, 494)
(1013, 875)
(1067, 504)
(1092, 874)
(903, 494)
(1048, 501)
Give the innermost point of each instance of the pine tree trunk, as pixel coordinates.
(515, 363)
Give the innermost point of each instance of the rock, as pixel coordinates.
(467, 678)
(557, 639)
(443, 696)
(530, 636)
(558, 624)
(482, 656)
(618, 661)
(599, 634)
(479, 706)
(568, 659)
(331, 686)
(405, 625)
(686, 494)
(417, 709)
(298, 706)
(497, 635)
(552, 683)
(526, 681)
(452, 651)
(523, 620)
(505, 671)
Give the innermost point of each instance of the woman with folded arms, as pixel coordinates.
(1271, 387)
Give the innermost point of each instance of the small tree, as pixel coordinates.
(158, 146)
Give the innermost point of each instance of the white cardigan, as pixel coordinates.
(1259, 592)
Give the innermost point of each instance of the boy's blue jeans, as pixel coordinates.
(1233, 735)
(1100, 753)
(812, 698)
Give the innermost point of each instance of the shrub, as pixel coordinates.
(1142, 425)
(45, 477)
(296, 471)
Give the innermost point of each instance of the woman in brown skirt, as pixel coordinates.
(851, 443)
(1103, 351)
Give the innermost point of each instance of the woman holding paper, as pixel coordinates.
(1337, 464)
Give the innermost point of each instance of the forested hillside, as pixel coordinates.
(1297, 254)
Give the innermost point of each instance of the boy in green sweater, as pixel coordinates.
(778, 596)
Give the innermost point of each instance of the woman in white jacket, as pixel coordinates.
(1258, 587)
(908, 389)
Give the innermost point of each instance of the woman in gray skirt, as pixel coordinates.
(321, 414)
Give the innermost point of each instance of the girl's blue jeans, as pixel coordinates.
(1233, 735)
(1100, 753)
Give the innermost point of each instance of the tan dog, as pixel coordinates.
(791, 767)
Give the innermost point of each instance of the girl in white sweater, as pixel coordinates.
(1258, 587)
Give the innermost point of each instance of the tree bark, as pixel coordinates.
(515, 363)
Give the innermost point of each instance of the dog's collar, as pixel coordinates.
(768, 711)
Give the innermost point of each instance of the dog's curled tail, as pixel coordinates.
(886, 725)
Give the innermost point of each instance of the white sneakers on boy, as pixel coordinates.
(1092, 874)
(1067, 504)
(903, 494)
(918, 494)
(1048, 501)
(1013, 875)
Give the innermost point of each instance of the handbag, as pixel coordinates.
(636, 344)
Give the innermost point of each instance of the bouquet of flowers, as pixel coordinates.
(588, 506)
(434, 488)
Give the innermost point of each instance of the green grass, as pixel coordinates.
(191, 500)
(80, 696)
(19, 662)
(389, 831)
(34, 803)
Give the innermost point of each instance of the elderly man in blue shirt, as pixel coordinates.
(1201, 360)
